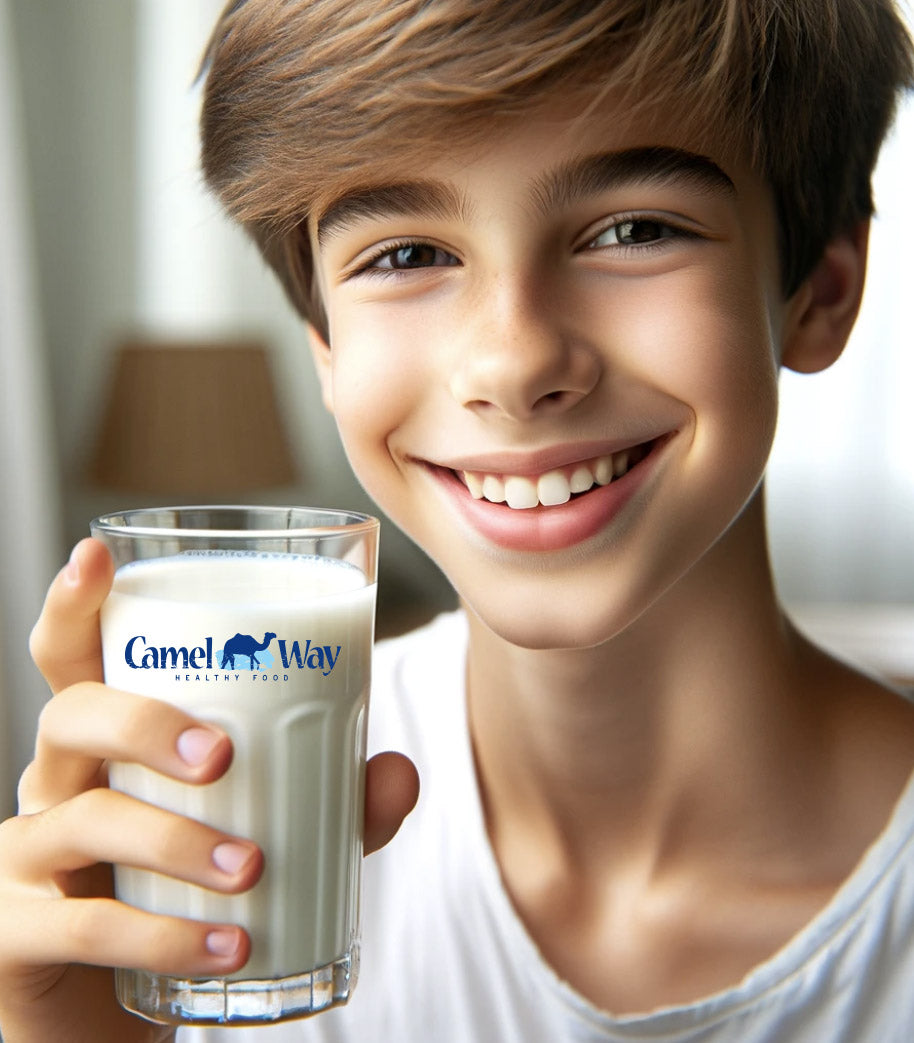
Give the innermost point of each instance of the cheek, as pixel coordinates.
(711, 347)
(375, 375)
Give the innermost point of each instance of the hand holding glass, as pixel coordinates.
(261, 621)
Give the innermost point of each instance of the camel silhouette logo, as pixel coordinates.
(241, 652)
(246, 647)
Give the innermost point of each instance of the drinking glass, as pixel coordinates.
(261, 621)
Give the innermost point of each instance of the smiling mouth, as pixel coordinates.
(555, 487)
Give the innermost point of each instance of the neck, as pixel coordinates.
(706, 758)
(656, 739)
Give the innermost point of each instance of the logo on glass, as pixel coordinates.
(240, 652)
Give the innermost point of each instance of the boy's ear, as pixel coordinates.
(822, 312)
(320, 352)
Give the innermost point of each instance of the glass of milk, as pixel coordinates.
(261, 620)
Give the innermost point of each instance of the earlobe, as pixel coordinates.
(822, 312)
(320, 352)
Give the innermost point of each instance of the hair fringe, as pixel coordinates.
(306, 97)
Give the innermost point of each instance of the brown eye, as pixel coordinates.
(414, 255)
(418, 256)
(631, 232)
(634, 232)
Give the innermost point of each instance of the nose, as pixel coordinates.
(521, 357)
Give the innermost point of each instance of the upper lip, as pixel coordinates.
(539, 461)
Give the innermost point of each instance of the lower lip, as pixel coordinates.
(548, 528)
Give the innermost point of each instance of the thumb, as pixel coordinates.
(65, 642)
(391, 792)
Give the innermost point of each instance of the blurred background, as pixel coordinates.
(119, 278)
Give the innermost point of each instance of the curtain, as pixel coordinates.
(29, 509)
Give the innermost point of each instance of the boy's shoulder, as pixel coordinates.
(862, 776)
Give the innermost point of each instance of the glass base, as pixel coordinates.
(187, 1001)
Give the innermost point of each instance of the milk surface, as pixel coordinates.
(295, 706)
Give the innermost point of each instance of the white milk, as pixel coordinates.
(295, 783)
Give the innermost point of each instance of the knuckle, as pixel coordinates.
(142, 719)
(40, 647)
(47, 714)
(10, 836)
(171, 842)
(96, 804)
(27, 790)
(82, 925)
(57, 715)
(48, 717)
(167, 938)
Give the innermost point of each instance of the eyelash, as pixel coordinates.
(669, 229)
(369, 267)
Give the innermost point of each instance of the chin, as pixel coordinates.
(551, 626)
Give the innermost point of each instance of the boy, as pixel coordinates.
(553, 256)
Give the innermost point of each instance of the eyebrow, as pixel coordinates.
(429, 199)
(559, 188)
(608, 170)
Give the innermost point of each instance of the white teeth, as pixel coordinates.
(553, 488)
(520, 493)
(603, 471)
(493, 489)
(475, 484)
(581, 480)
(550, 489)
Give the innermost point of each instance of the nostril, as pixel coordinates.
(564, 398)
(518, 391)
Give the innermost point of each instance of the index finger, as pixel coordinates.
(66, 641)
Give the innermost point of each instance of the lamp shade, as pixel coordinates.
(191, 418)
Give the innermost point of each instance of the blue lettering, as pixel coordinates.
(168, 657)
(331, 659)
(323, 658)
(293, 653)
(128, 652)
(173, 654)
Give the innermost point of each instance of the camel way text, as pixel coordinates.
(239, 652)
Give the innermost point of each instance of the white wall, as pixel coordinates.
(841, 478)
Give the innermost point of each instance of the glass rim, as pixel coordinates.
(117, 523)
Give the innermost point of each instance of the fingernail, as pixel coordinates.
(231, 857)
(196, 744)
(223, 941)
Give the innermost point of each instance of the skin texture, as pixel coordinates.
(658, 752)
(652, 739)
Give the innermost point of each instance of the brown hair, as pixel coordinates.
(306, 96)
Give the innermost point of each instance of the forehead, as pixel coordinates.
(555, 153)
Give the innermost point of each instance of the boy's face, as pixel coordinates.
(525, 317)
